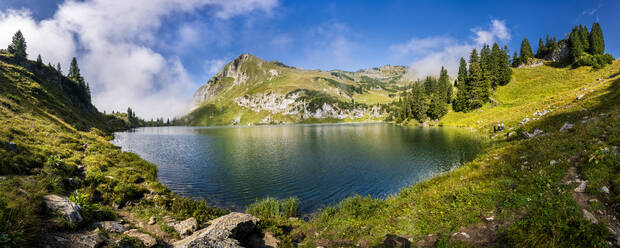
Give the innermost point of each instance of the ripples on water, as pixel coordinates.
(231, 167)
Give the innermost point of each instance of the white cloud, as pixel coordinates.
(331, 46)
(112, 40)
(429, 54)
(214, 66)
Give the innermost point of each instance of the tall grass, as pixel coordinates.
(270, 208)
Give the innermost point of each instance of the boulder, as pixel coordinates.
(396, 241)
(110, 226)
(589, 216)
(535, 133)
(225, 231)
(186, 227)
(146, 239)
(262, 240)
(152, 220)
(605, 189)
(567, 127)
(582, 187)
(62, 205)
(525, 120)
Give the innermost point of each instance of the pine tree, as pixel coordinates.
(18, 46)
(58, 68)
(526, 51)
(515, 60)
(445, 86)
(597, 42)
(462, 75)
(576, 45)
(39, 60)
(430, 85)
(437, 107)
(540, 52)
(74, 71)
(584, 37)
(459, 103)
(503, 67)
(418, 104)
(478, 85)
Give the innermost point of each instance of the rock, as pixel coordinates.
(186, 227)
(90, 240)
(567, 127)
(270, 240)
(146, 239)
(605, 189)
(260, 240)
(11, 146)
(535, 133)
(541, 113)
(152, 220)
(579, 97)
(582, 187)
(553, 162)
(489, 219)
(65, 207)
(560, 53)
(236, 121)
(225, 231)
(589, 216)
(394, 241)
(460, 235)
(525, 120)
(591, 201)
(110, 226)
(511, 134)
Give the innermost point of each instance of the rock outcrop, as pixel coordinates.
(62, 205)
(146, 239)
(227, 232)
(560, 53)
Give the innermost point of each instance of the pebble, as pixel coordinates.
(582, 187)
(589, 216)
(552, 162)
(605, 189)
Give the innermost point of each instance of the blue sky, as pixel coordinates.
(197, 39)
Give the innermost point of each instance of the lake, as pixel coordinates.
(231, 167)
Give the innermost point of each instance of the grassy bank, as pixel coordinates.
(511, 194)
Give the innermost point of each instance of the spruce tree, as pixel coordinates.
(418, 104)
(18, 45)
(503, 67)
(597, 42)
(584, 37)
(462, 75)
(540, 52)
(526, 51)
(445, 86)
(576, 45)
(39, 60)
(515, 60)
(58, 68)
(430, 85)
(478, 85)
(437, 107)
(459, 103)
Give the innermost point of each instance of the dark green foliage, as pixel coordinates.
(460, 101)
(597, 42)
(515, 60)
(39, 61)
(444, 85)
(75, 75)
(437, 107)
(478, 84)
(18, 46)
(462, 75)
(504, 73)
(58, 68)
(584, 37)
(576, 44)
(430, 85)
(526, 51)
(597, 61)
(184, 208)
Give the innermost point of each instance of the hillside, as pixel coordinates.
(555, 187)
(249, 90)
(54, 148)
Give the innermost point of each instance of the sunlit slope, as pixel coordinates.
(542, 88)
(248, 75)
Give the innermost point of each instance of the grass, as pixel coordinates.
(63, 148)
(511, 180)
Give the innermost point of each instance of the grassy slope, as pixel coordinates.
(221, 110)
(512, 180)
(55, 139)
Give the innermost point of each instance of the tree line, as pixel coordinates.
(585, 48)
(425, 99)
(18, 48)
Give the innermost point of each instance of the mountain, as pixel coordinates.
(249, 91)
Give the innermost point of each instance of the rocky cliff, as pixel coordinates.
(249, 90)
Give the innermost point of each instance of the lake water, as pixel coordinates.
(231, 167)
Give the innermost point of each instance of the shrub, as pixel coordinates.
(184, 208)
(269, 208)
(597, 61)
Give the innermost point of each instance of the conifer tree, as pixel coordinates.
(39, 60)
(503, 67)
(459, 103)
(576, 45)
(478, 85)
(584, 37)
(540, 52)
(418, 102)
(58, 68)
(18, 45)
(462, 75)
(597, 42)
(515, 60)
(526, 51)
(430, 85)
(445, 85)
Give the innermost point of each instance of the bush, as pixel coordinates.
(269, 208)
(184, 208)
(597, 61)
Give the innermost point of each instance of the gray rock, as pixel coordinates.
(152, 220)
(605, 189)
(394, 241)
(186, 227)
(560, 53)
(526, 120)
(225, 231)
(62, 205)
(589, 216)
(110, 226)
(553, 162)
(567, 127)
(579, 97)
(146, 239)
(582, 187)
(535, 133)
